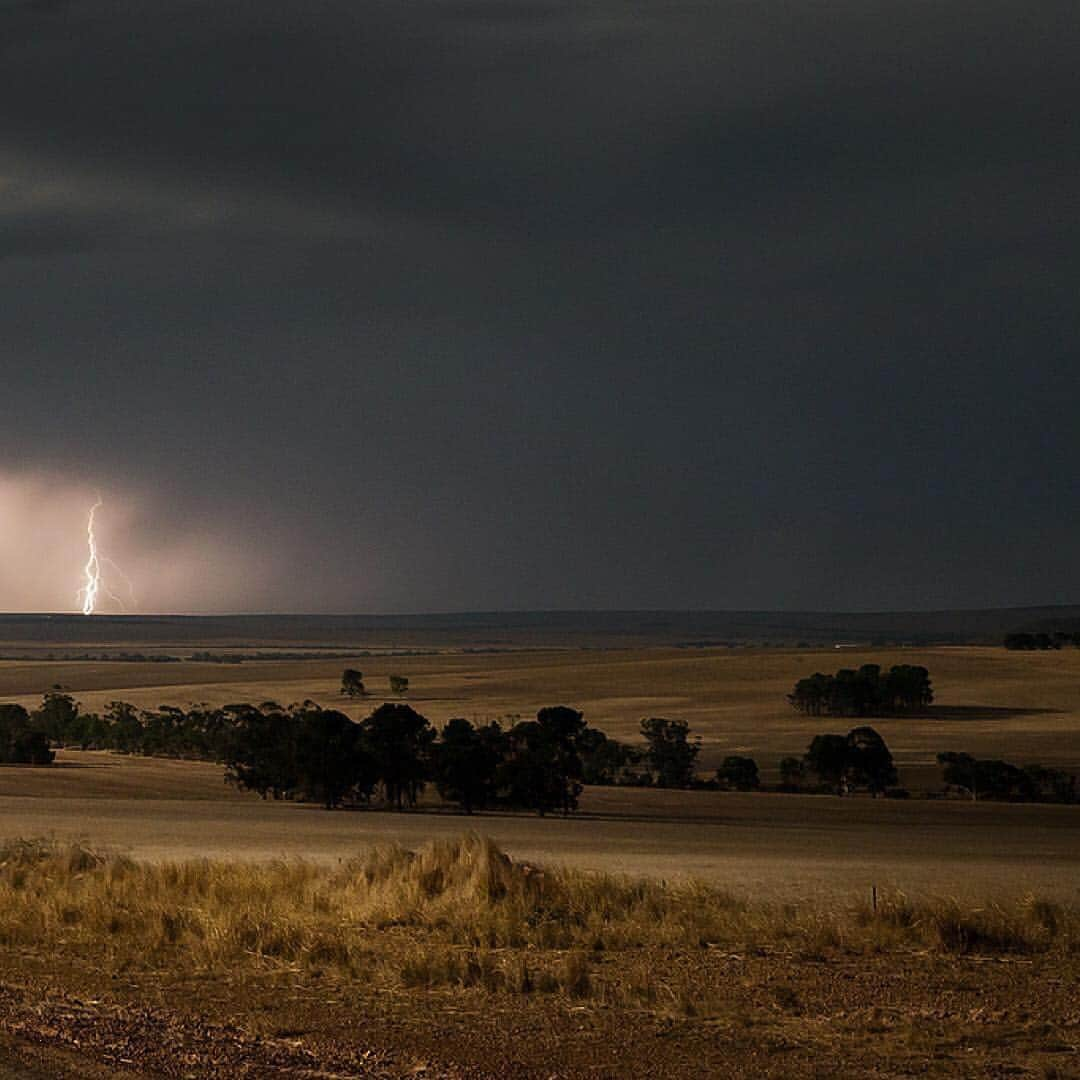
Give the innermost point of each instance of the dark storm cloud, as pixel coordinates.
(548, 304)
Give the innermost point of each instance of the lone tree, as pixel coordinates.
(399, 684)
(670, 753)
(352, 683)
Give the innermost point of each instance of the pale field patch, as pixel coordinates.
(761, 845)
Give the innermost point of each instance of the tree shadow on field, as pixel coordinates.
(452, 813)
(982, 712)
(84, 765)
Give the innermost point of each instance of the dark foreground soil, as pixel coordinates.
(758, 1015)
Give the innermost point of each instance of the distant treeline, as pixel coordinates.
(304, 751)
(205, 657)
(105, 657)
(905, 688)
(239, 658)
(993, 779)
(1029, 642)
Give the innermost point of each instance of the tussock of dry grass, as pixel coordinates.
(456, 913)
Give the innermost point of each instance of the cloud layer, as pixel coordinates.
(473, 304)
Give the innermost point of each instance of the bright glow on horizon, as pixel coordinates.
(180, 561)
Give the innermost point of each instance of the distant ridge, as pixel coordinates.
(539, 629)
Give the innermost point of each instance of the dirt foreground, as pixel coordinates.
(763, 1015)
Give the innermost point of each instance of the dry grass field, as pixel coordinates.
(457, 961)
(691, 933)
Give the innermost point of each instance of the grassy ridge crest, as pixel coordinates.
(461, 912)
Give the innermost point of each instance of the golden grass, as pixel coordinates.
(461, 913)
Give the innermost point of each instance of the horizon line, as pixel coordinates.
(451, 613)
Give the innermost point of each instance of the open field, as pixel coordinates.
(772, 964)
(1023, 707)
(776, 846)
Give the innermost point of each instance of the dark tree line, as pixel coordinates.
(539, 765)
(304, 751)
(905, 688)
(1032, 642)
(994, 779)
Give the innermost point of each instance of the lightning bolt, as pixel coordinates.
(87, 596)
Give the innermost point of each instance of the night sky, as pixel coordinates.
(428, 305)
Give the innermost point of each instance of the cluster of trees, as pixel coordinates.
(993, 779)
(540, 764)
(306, 751)
(868, 691)
(167, 731)
(1031, 642)
(352, 684)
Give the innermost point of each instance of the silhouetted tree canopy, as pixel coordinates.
(352, 683)
(738, 773)
(466, 763)
(995, 779)
(858, 759)
(20, 743)
(827, 757)
(333, 760)
(57, 716)
(400, 740)
(670, 753)
(261, 750)
(605, 760)
(869, 762)
(543, 768)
